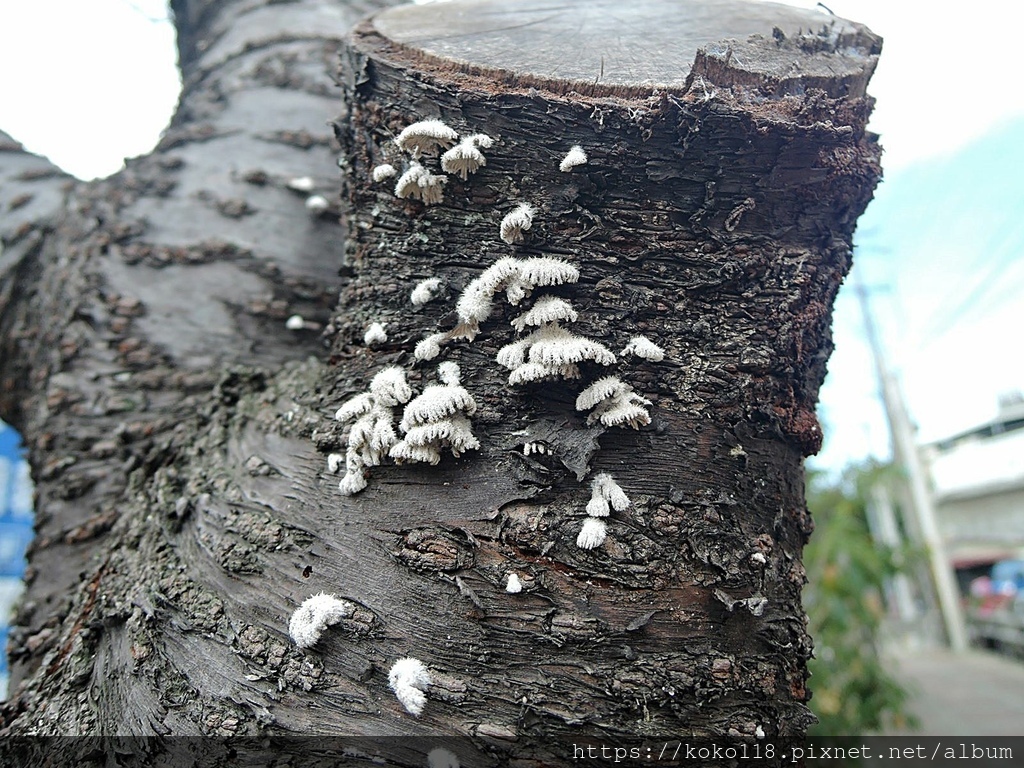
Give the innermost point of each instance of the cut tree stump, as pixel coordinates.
(727, 162)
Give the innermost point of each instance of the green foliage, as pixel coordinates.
(846, 571)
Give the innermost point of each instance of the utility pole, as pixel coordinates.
(906, 455)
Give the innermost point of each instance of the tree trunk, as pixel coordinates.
(179, 430)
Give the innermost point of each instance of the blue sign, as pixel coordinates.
(15, 532)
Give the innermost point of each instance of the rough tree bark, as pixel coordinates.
(178, 430)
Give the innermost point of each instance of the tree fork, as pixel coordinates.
(727, 165)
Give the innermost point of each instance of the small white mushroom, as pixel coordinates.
(335, 461)
(605, 486)
(516, 222)
(465, 157)
(430, 347)
(318, 612)
(295, 323)
(575, 156)
(425, 137)
(317, 204)
(409, 679)
(598, 506)
(375, 335)
(513, 586)
(425, 291)
(592, 534)
(642, 347)
(441, 758)
(302, 184)
(383, 172)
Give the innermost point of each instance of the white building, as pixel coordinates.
(978, 482)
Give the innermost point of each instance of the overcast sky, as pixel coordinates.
(89, 83)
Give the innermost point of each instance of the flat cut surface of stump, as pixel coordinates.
(615, 48)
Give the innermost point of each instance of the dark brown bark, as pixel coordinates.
(185, 508)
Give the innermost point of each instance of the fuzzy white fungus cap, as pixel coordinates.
(426, 136)
(295, 323)
(575, 156)
(317, 204)
(417, 183)
(641, 346)
(513, 586)
(302, 184)
(592, 534)
(516, 222)
(383, 172)
(409, 679)
(553, 347)
(547, 309)
(598, 506)
(425, 291)
(442, 758)
(318, 612)
(429, 347)
(465, 157)
(375, 335)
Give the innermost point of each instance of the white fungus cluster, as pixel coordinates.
(516, 222)
(550, 352)
(311, 619)
(372, 434)
(517, 278)
(614, 404)
(605, 495)
(436, 420)
(465, 157)
(513, 584)
(417, 183)
(427, 137)
(409, 679)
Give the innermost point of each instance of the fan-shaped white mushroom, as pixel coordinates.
(425, 136)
